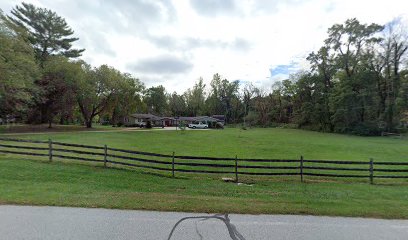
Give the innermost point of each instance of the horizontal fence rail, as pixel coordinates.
(172, 163)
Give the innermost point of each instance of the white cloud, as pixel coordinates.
(173, 43)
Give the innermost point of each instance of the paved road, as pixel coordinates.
(24, 222)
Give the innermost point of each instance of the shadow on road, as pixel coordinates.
(232, 230)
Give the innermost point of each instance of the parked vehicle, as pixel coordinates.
(195, 125)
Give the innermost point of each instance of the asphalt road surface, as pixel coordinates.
(26, 222)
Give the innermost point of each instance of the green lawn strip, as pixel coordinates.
(253, 143)
(43, 128)
(37, 182)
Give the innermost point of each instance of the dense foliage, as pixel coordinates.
(42, 83)
(357, 82)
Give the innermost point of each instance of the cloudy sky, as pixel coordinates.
(174, 42)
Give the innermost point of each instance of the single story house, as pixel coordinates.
(141, 119)
(208, 120)
(186, 120)
(204, 119)
(169, 121)
(220, 118)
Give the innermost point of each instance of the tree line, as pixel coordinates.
(357, 82)
(43, 82)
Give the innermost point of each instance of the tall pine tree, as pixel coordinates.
(48, 33)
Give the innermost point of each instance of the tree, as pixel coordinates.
(262, 106)
(395, 47)
(323, 64)
(402, 100)
(177, 104)
(155, 98)
(195, 98)
(59, 84)
(48, 33)
(214, 103)
(126, 100)
(18, 71)
(247, 96)
(352, 104)
(223, 98)
(348, 40)
(96, 88)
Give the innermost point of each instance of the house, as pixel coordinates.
(208, 120)
(220, 118)
(186, 120)
(169, 121)
(204, 119)
(141, 119)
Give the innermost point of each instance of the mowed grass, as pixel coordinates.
(25, 180)
(67, 184)
(41, 128)
(253, 143)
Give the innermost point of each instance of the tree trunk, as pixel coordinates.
(43, 113)
(88, 123)
(362, 116)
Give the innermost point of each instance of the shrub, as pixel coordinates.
(366, 129)
(219, 125)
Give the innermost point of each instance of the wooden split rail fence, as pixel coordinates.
(234, 166)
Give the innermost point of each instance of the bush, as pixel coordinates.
(149, 124)
(130, 125)
(290, 125)
(312, 127)
(252, 118)
(282, 125)
(402, 130)
(366, 129)
(219, 125)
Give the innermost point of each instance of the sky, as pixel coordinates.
(175, 42)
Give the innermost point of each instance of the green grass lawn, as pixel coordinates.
(40, 183)
(41, 128)
(254, 143)
(25, 180)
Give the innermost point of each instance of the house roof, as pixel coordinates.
(207, 118)
(219, 117)
(145, 116)
(198, 118)
(187, 118)
(168, 118)
(149, 116)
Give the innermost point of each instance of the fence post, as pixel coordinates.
(301, 168)
(236, 168)
(371, 171)
(105, 156)
(50, 150)
(172, 166)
